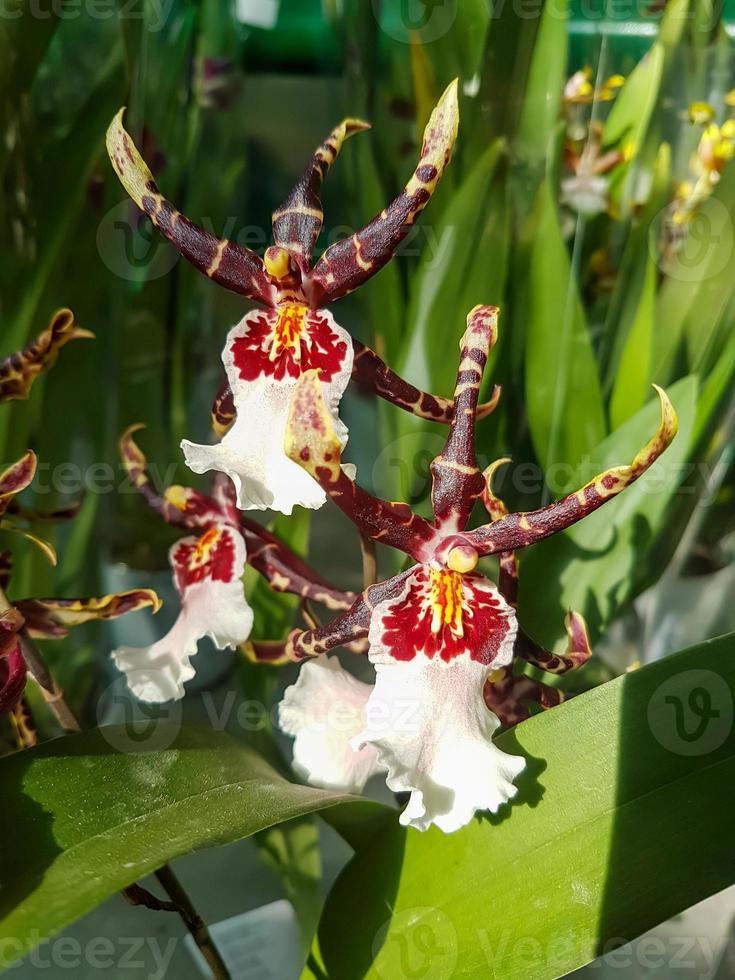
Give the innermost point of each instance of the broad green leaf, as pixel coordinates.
(631, 113)
(462, 264)
(593, 567)
(86, 815)
(699, 281)
(545, 84)
(640, 246)
(563, 396)
(634, 371)
(623, 784)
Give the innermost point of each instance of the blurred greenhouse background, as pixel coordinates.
(590, 196)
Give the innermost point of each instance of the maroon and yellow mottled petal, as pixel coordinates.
(44, 546)
(508, 696)
(312, 443)
(348, 629)
(285, 571)
(52, 618)
(298, 221)
(457, 481)
(226, 263)
(177, 505)
(577, 653)
(371, 373)
(20, 370)
(350, 262)
(16, 478)
(223, 410)
(525, 528)
(508, 570)
(13, 675)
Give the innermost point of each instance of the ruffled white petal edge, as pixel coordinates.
(428, 721)
(323, 711)
(212, 608)
(252, 452)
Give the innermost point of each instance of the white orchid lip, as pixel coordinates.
(433, 647)
(207, 573)
(264, 356)
(323, 711)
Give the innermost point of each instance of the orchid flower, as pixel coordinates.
(269, 349)
(207, 567)
(44, 618)
(442, 637)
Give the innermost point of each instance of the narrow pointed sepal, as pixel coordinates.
(226, 263)
(20, 370)
(16, 478)
(352, 261)
(53, 618)
(525, 528)
(298, 221)
(578, 650)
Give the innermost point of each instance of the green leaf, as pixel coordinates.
(699, 282)
(545, 83)
(593, 567)
(86, 815)
(616, 795)
(462, 264)
(634, 371)
(631, 113)
(563, 396)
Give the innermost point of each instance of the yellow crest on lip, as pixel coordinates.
(204, 547)
(446, 596)
(288, 329)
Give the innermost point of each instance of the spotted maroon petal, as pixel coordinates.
(177, 505)
(52, 618)
(13, 675)
(16, 478)
(20, 370)
(350, 262)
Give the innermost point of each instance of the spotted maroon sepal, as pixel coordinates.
(177, 505)
(447, 615)
(283, 343)
(16, 478)
(20, 370)
(48, 618)
(226, 263)
(350, 262)
(456, 479)
(223, 410)
(522, 529)
(298, 221)
(509, 696)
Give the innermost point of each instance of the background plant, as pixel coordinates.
(595, 306)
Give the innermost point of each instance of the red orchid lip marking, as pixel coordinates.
(445, 614)
(286, 341)
(212, 556)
